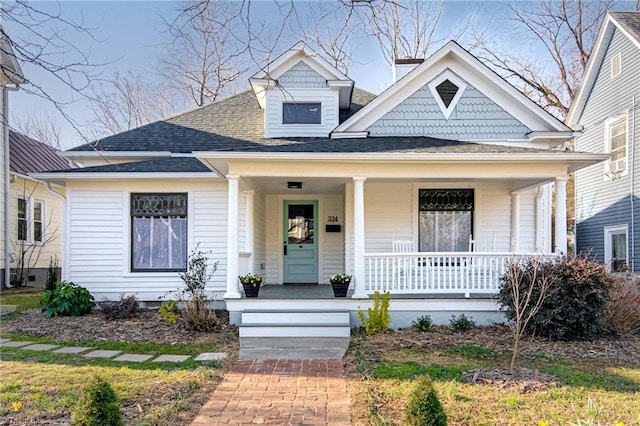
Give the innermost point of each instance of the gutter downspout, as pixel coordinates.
(63, 198)
(6, 172)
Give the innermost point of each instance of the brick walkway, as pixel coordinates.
(282, 392)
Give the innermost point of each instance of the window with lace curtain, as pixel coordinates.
(445, 219)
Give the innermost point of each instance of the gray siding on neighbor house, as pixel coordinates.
(475, 117)
(302, 75)
(602, 202)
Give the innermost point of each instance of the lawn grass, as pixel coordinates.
(24, 300)
(380, 394)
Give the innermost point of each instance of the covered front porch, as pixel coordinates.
(364, 206)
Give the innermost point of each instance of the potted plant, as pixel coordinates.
(340, 284)
(251, 284)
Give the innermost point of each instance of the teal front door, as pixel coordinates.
(300, 242)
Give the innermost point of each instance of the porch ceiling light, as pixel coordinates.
(294, 185)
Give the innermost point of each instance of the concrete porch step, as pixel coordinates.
(294, 330)
(293, 348)
(295, 317)
(295, 323)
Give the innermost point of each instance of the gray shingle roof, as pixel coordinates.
(163, 165)
(231, 124)
(630, 21)
(27, 155)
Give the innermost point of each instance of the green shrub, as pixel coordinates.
(98, 406)
(574, 308)
(424, 323)
(378, 318)
(424, 408)
(169, 311)
(68, 299)
(126, 307)
(461, 323)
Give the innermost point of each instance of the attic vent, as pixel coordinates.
(447, 91)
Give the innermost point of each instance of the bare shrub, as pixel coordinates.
(622, 313)
(198, 316)
(125, 308)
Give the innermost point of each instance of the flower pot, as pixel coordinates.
(250, 290)
(340, 288)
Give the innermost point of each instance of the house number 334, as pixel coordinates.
(332, 219)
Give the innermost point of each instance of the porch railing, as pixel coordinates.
(437, 273)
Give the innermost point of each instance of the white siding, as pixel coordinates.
(260, 233)
(99, 242)
(389, 214)
(273, 126)
(527, 221)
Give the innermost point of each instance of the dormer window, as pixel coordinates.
(301, 113)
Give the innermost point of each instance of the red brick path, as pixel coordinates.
(281, 392)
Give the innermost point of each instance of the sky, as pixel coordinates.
(129, 36)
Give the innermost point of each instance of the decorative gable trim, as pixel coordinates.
(436, 83)
(598, 53)
(453, 57)
(265, 79)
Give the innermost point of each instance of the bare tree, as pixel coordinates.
(41, 126)
(404, 29)
(40, 35)
(565, 30)
(205, 58)
(129, 101)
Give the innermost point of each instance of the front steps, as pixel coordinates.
(295, 323)
(293, 347)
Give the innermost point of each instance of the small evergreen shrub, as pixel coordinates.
(577, 298)
(378, 318)
(67, 299)
(424, 408)
(98, 406)
(461, 323)
(52, 274)
(169, 311)
(126, 307)
(424, 323)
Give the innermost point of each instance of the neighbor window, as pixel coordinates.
(615, 247)
(616, 65)
(445, 219)
(22, 219)
(38, 222)
(301, 113)
(158, 232)
(616, 137)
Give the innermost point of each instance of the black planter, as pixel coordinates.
(339, 289)
(250, 290)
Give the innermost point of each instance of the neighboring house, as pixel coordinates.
(36, 210)
(10, 78)
(305, 176)
(605, 112)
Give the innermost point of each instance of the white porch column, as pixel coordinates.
(515, 222)
(358, 237)
(248, 220)
(561, 214)
(232, 238)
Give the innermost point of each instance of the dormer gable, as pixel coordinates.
(301, 94)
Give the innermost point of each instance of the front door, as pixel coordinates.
(300, 242)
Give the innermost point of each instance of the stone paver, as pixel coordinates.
(172, 358)
(4, 341)
(40, 347)
(102, 354)
(133, 357)
(72, 349)
(294, 392)
(210, 356)
(15, 344)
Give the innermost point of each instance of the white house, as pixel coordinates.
(425, 190)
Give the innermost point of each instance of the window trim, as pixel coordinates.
(608, 125)
(616, 60)
(447, 75)
(132, 268)
(285, 102)
(609, 231)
